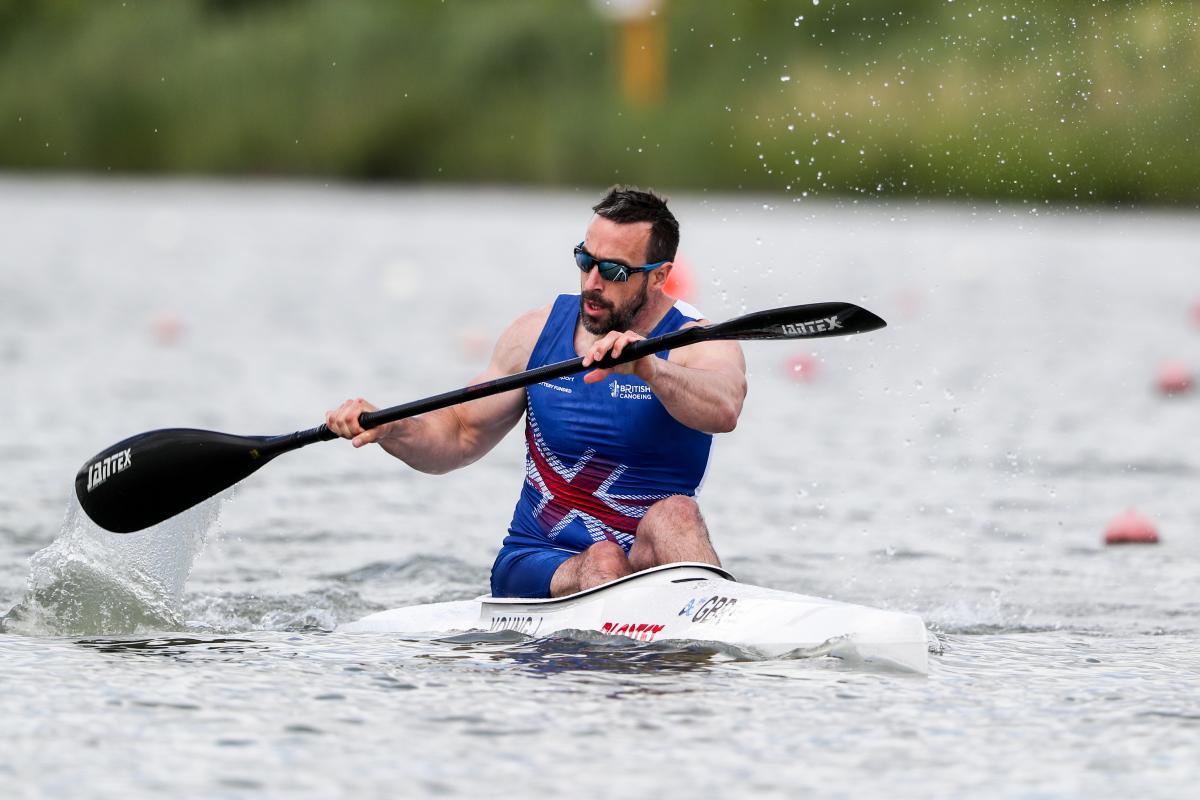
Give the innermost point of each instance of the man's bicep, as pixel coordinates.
(488, 419)
(491, 417)
(720, 356)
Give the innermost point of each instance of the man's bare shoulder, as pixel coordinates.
(515, 345)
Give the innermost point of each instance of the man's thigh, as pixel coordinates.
(526, 571)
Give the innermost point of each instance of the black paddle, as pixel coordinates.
(150, 477)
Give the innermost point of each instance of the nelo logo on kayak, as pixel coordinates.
(809, 328)
(102, 470)
(641, 631)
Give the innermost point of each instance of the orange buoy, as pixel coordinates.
(1174, 377)
(1131, 527)
(679, 283)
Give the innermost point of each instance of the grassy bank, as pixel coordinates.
(1063, 101)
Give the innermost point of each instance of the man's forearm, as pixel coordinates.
(706, 400)
(429, 443)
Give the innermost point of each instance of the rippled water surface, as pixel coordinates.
(961, 464)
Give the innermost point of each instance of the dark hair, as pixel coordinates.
(626, 204)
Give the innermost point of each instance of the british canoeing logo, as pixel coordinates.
(104, 469)
(631, 391)
(809, 328)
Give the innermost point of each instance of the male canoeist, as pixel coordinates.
(613, 460)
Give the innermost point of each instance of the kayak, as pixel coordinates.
(687, 601)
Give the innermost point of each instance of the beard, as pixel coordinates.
(619, 319)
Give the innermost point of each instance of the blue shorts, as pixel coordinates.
(521, 571)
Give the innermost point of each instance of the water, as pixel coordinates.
(961, 464)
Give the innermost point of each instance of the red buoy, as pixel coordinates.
(473, 343)
(679, 283)
(801, 367)
(1131, 527)
(1174, 377)
(167, 328)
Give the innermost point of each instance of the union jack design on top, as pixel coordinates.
(581, 492)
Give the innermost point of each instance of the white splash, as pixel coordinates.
(90, 581)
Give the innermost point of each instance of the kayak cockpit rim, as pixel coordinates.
(687, 571)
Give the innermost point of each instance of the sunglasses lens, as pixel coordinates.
(609, 270)
(613, 272)
(582, 260)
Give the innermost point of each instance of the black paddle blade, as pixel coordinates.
(153, 476)
(809, 321)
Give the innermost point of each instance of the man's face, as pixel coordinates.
(614, 305)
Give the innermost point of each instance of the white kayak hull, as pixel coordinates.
(684, 601)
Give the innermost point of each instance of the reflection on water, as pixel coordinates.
(586, 651)
(570, 651)
(171, 646)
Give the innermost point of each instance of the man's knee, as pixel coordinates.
(606, 556)
(676, 511)
(672, 531)
(600, 563)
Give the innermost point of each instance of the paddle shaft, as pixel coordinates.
(147, 478)
(812, 320)
(373, 419)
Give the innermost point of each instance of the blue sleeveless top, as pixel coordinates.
(598, 455)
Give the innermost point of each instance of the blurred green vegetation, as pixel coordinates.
(1060, 101)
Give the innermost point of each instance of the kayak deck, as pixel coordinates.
(683, 601)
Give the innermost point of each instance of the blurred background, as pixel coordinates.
(1061, 102)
